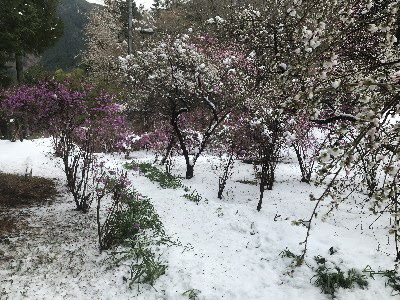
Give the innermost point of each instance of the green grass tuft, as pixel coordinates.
(329, 280)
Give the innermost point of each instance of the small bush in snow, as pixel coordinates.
(130, 212)
(147, 267)
(80, 121)
(132, 224)
(192, 294)
(329, 280)
(297, 259)
(194, 197)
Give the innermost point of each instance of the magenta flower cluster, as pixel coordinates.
(57, 108)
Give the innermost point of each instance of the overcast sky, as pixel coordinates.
(146, 3)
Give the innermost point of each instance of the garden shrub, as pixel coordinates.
(133, 224)
(80, 121)
(329, 280)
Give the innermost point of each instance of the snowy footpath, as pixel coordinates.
(228, 249)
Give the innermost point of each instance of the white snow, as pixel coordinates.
(146, 3)
(373, 28)
(231, 250)
(336, 83)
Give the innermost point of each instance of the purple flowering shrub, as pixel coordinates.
(163, 140)
(24, 108)
(57, 109)
(83, 123)
(80, 121)
(156, 140)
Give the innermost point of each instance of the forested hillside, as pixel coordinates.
(66, 52)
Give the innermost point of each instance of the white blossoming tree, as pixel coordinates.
(186, 79)
(337, 62)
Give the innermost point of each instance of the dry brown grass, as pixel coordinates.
(8, 225)
(18, 191)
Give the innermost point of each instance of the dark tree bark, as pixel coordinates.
(12, 131)
(213, 124)
(168, 151)
(174, 123)
(262, 186)
(19, 66)
(189, 171)
(269, 176)
(3, 128)
(305, 174)
(223, 179)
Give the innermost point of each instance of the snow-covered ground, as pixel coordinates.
(147, 4)
(229, 250)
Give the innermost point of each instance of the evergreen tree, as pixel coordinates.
(27, 27)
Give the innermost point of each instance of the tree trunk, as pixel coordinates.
(189, 165)
(270, 176)
(305, 176)
(19, 67)
(25, 129)
(224, 178)
(168, 151)
(3, 129)
(262, 187)
(12, 131)
(189, 171)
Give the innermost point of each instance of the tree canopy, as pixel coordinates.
(28, 27)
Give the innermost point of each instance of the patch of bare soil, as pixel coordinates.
(7, 225)
(17, 192)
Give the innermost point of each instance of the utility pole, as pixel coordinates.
(130, 16)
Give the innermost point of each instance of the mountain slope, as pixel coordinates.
(66, 52)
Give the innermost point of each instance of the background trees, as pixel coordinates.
(191, 83)
(28, 27)
(66, 53)
(107, 38)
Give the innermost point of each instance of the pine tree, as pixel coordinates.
(27, 27)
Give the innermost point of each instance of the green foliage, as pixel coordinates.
(133, 214)
(75, 77)
(134, 224)
(36, 74)
(147, 268)
(28, 26)
(166, 181)
(297, 259)
(252, 182)
(193, 294)
(393, 280)
(329, 280)
(194, 197)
